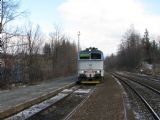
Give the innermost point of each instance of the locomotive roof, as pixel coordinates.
(91, 50)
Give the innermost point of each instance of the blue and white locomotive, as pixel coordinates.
(90, 66)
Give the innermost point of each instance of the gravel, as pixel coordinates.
(139, 109)
(63, 107)
(106, 103)
(151, 97)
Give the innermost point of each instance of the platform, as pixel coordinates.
(106, 103)
(17, 96)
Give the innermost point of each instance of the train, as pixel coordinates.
(90, 66)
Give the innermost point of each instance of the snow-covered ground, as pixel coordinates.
(82, 91)
(14, 97)
(37, 108)
(25, 114)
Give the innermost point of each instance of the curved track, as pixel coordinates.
(150, 84)
(132, 84)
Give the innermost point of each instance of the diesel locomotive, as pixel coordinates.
(90, 66)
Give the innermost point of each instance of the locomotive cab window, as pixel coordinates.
(95, 56)
(84, 56)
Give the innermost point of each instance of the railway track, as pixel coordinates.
(154, 77)
(148, 95)
(144, 76)
(77, 107)
(150, 83)
(36, 112)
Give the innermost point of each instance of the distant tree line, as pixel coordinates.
(133, 51)
(31, 60)
(25, 58)
(60, 56)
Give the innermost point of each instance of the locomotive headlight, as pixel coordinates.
(98, 71)
(81, 72)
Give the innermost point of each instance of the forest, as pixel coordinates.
(136, 52)
(27, 56)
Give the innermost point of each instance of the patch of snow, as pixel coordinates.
(137, 115)
(37, 108)
(124, 97)
(82, 91)
(3, 91)
(124, 93)
(67, 90)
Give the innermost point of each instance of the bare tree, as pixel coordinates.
(34, 41)
(8, 13)
(63, 53)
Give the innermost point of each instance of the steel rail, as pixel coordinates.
(43, 109)
(55, 102)
(155, 115)
(152, 78)
(77, 107)
(27, 104)
(149, 87)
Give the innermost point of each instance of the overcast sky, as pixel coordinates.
(102, 23)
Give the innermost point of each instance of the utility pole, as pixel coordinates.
(79, 41)
(78, 51)
(1, 14)
(1, 62)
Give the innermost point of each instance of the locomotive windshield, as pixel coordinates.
(84, 56)
(92, 56)
(95, 56)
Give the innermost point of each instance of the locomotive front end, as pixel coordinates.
(90, 66)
